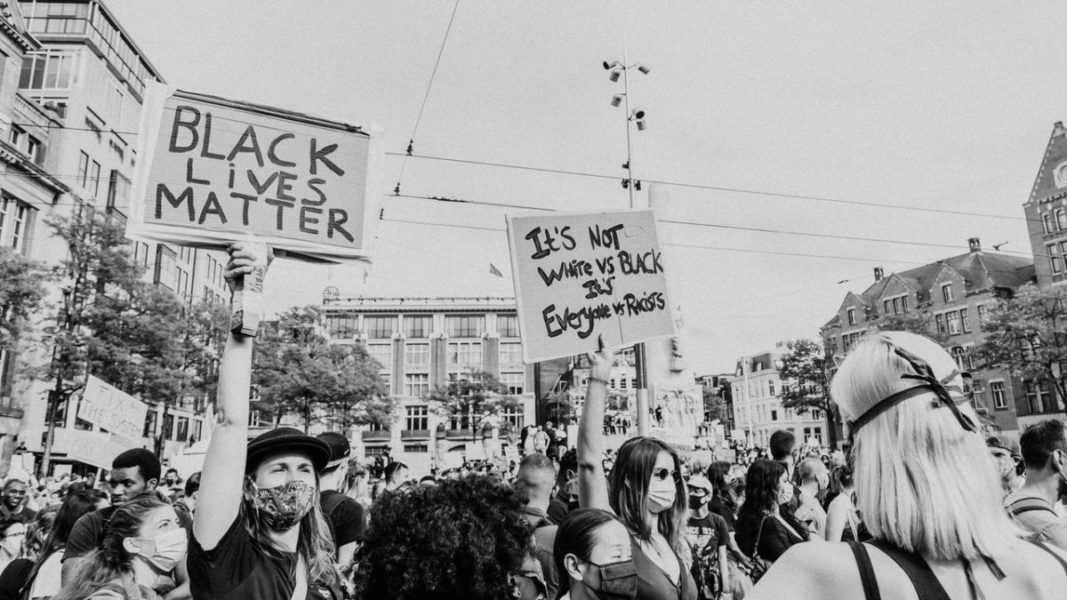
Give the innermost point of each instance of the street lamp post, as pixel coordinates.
(616, 70)
(56, 393)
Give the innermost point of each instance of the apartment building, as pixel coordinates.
(756, 390)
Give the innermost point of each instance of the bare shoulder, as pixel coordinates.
(814, 570)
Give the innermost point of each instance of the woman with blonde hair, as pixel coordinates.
(927, 489)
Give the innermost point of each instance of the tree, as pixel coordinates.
(297, 370)
(22, 284)
(476, 399)
(714, 405)
(806, 381)
(1027, 335)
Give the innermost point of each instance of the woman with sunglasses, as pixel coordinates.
(644, 489)
(927, 489)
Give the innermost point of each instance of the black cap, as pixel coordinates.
(339, 447)
(283, 440)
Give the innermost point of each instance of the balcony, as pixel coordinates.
(415, 434)
(459, 434)
(377, 436)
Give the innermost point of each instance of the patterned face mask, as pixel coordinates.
(283, 506)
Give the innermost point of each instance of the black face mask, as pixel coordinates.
(697, 502)
(618, 581)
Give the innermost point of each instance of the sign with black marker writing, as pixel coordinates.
(579, 276)
(221, 170)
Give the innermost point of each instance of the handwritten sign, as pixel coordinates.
(579, 276)
(221, 170)
(110, 408)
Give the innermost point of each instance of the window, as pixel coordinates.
(774, 415)
(997, 389)
(94, 180)
(166, 268)
(981, 314)
(118, 193)
(1046, 221)
(417, 357)
(168, 427)
(49, 70)
(149, 424)
(417, 385)
(35, 149)
(960, 356)
(952, 319)
(198, 430)
(418, 418)
(514, 382)
(17, 133)
(416, 448)
(383, 353)
(963, 321)
(851, 316)
(1056, 256)
(83, 168)
(510, 355)
(15, 217)
(1061, 218)
(1036, 394)
(465, 326)
(379, 328)
(770, 387)
(885, 306)
(372, 451)
(515, 418)
(507, 325)
(946, 292)
(183, 429)
(418, 326)
(342, 325)
(464, 355)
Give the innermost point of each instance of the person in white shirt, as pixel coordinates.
(814, 478)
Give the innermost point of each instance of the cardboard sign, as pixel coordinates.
(110, 408)
(91, 447)
(218, 171)
(579, 276)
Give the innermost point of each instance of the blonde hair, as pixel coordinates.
(923, 482)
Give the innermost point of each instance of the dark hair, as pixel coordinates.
(844, 476)
(1040, 440)
(761, 486)
(111, 559)
(459, 539)
(781, 444)
(143, 459)
(717, 473)
(576, 536)
(192, 485)
(629, 482)
(392, 468)
(60, 522)
(568, 463)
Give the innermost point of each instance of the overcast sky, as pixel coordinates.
(946, 105)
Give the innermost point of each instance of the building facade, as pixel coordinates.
(422, 344)
(950, 297)
(756, 390)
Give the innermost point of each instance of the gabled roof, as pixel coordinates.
(1055, 153)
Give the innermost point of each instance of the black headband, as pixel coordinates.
(928, 383)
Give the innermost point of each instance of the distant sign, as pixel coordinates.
(579, 276)
(91, 447)
(110, 408)
(220, 170)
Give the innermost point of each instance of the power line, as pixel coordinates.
(426, 96)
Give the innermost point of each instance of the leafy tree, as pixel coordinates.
(22, 284)
(297, 370)
(476, 400)
(805, 375)
(714, 405)
(1027, 334)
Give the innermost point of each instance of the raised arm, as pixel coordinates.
(592, 482)
(222, 481)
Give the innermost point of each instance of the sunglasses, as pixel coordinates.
(663, 473)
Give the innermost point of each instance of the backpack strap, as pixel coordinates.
(1044, 547)
(1028, 504)
(927, 586)
(863, 561)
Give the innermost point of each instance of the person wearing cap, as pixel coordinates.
(1005, 453)
(344, 514)
(1044, 450)
(708, 536)
(926, 488)
(259, 532)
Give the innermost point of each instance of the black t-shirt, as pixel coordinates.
(724, 509)
(237, 568)
(87, 533)
(707, 529)
(14, 577)
(345, 516)
(22, 515)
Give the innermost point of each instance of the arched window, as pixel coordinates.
(1059, 174)
(960, 356)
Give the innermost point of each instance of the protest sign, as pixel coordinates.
(217, 171)
(110, 408)
(579, 276)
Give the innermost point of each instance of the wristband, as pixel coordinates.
(598, 380)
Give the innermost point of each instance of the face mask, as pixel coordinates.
(697, 502)
(165, 550)
(618, 581)
(283, 506)
(661, 496)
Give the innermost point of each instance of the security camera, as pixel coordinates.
(625, 183)
(614, 76)
(640, 125)
(639, 114)
(606, 65)
(616, 100)
(644, 70)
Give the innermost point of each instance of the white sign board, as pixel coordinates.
(110, 408)
(580, 276)
(94, 448)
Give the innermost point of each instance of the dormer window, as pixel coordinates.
(851, 316)
(946, 292)
(1059, 174)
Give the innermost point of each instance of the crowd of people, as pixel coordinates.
(923, 506)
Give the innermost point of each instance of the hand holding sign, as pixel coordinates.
(245, 273)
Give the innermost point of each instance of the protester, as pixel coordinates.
(764, 531)
(13, 502)
(133, 472)
(541, 440)
(1044, 450)
(566, 498)
(396, 475)
(927, 490)
(172, 482)
(186, 505)
(462, 539)
(344, 514)
(723, 502)
(357, 484)
(534, 483)
(143, 542)
(843, 521)
(264, 536)
(814, 480)
(783, 450)
(1006, 456)
(646, 492)
(594, 557)
(12, 540)
(709, 537)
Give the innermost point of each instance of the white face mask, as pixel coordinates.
(165, 550)
(661, 495)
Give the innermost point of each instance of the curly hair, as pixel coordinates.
(761, 486)
(111, 560)
(459, 539)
